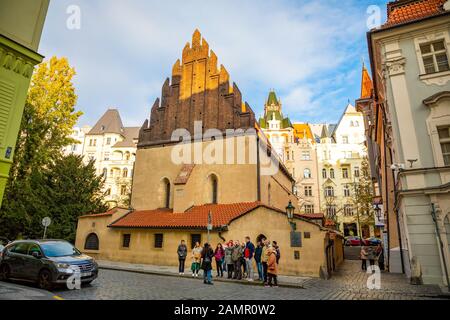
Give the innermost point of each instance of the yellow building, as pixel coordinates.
(202, 156)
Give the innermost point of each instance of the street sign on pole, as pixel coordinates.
(209, 226)
(46, 222)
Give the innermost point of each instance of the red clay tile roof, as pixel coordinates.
(104, 214)
(329, 223)
(312, 215)
(402, 11)
(194, 218)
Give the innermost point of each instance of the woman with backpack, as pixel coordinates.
(207, 256)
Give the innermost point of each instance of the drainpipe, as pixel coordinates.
(394, 173)
(258, 169)
(441, 245)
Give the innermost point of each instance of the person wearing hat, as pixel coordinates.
(272, 267)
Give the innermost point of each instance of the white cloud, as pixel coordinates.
(126, 49)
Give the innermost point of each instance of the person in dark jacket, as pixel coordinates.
(380, 256)
(277, 251)
(258, 253)
(249, 251)
(182, 254)
(236, 256)
(207, 256)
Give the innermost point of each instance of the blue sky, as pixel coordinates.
(310, 52)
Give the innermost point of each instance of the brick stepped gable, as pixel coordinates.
(199, 91)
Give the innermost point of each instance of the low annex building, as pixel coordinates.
(176, 185)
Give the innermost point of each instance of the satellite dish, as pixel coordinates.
(46, 221)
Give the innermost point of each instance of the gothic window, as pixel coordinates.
(324, 173)
(92, 242)
(214, 189)
(165, 193)
(332, 173)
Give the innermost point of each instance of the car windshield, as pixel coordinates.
(59, 249)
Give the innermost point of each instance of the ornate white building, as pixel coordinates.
(113, 147)
(78, 135)
(340, 153)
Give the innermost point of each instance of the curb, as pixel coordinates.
(169, 274)
(26, 292)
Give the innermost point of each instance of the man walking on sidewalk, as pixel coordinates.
(248, 254)
(182, 254)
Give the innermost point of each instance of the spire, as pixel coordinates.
(272, 99)
(366, 84)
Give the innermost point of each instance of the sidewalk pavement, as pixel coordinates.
(283, 281)
(13, 291)
(348, 278)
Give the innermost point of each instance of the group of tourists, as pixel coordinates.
(372, 254)
(235, 259)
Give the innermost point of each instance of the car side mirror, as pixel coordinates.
(36, 254)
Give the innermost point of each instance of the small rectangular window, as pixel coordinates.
(159, 237)
(126, 239)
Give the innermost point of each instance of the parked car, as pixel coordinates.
(373, 241)
(355, 241)
(3, 242)
(46, 262)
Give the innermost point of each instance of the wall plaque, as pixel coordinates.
(296, 239)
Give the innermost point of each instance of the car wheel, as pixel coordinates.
(45, 280)
(4, 272)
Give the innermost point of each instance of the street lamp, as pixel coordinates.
(378, 211)
(290, 215)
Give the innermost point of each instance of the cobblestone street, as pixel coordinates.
(347, 284)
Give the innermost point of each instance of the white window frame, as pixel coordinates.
(439, 78)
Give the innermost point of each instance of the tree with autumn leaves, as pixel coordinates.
(42, 181)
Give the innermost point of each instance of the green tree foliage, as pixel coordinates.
(363, 195)
(43, 182)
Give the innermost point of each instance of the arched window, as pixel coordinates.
(307, 174)
(127, 155)
(332, 173)
(165, 193)
(125, 173)
(105, 173)
(92, 242)
(324, 173)
(214, 190)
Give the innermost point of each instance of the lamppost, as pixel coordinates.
(378, 211)
(290, 215)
